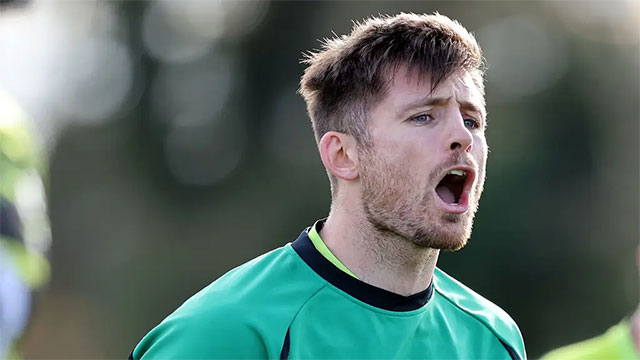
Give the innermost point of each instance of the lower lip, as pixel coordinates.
(460, 208)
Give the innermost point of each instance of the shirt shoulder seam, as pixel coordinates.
(323, 284)
(463, 310)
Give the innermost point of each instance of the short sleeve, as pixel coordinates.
(203, 336)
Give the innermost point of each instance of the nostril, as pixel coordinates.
(455, 145)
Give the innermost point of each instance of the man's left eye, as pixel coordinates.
(471, 123)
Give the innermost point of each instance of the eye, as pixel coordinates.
(471, 123)
(422, 119)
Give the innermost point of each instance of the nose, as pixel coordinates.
(459, 137)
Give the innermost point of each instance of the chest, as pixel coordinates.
(337, 328)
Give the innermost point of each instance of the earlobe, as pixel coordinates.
(337, 151)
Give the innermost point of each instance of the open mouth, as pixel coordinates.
(452, 186)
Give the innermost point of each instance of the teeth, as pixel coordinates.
(457, 172)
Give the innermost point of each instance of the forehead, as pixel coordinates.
(407, 88)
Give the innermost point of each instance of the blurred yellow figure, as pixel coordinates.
(24, 226)
(616, 343)
(621, 341)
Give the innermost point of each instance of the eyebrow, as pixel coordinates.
(440, 101)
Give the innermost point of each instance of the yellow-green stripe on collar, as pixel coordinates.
(322, 248)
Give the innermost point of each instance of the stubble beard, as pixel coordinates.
(395, 204)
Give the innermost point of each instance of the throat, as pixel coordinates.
(379, 258)
(404, 268)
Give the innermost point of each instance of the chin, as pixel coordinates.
(445, 242)
(451, 235)
(453, 244)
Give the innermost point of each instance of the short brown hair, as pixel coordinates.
(349, 73)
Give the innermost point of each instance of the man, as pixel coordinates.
(398, 112)
(621, 341)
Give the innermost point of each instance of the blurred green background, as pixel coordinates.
(178, 149)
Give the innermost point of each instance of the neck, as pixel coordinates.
(378, 258)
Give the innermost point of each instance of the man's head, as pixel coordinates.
(396, 106)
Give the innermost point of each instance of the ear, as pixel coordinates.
(339, 155)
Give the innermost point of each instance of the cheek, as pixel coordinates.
(479, 151)
(393, 152)
(409, 156)
(416, 149)
(396, 167)
(411, 160)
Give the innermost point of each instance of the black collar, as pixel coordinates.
(360, 290)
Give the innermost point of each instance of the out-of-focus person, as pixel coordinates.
(621, 341)
(24, 226)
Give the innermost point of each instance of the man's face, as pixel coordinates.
(423, 174)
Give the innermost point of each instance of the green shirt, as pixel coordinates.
(294, 303)
(616, 344)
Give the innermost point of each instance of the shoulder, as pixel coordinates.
(189, 335)
(243, 314)
(483, 310)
